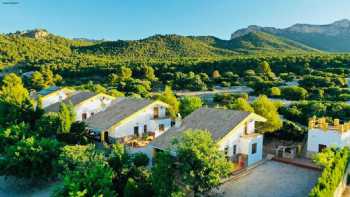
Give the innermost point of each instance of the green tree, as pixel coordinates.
(48, 125)
(112, 79)
(241, 104)
(169, 97)
(74, 156)
(37, 80)
(148, 73)
(31, 158)
(188, 104)
(78, 134)
(124, 73)
(201, 164)
(266, 70)
(115, 93)
(12, 134)
(163, 173)
(15, 103)
(267, 109)
(66, 117)
(90, 179)
(138, 184)
(294, 93)
(275, 92)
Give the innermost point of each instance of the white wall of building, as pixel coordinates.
(244, 144)
(54, 98)
(329, 138)
(247, 148)
(92, 106)
(145, 117)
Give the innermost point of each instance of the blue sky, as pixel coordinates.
(135, 19)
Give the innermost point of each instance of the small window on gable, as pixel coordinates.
(254, 147)
(156, 112)
(234, 149)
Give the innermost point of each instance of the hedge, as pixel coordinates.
(332, 175)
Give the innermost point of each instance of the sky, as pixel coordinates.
(137, 19)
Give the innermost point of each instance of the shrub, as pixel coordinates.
(275, 92)
(31, 158)
(290, 131)
(140, 159)
(335, 162)
(294, 93)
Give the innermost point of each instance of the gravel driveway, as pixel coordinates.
(272, 179)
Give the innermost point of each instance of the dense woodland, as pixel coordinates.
(152, 68)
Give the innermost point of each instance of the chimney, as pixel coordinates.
(178, 121)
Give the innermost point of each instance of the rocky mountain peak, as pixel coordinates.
(34, 33)
(342, 23)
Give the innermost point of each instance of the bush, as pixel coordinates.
(290, 131)
(31, 158)
(140, 159)
(139, 184)
(294, 93)
(275, 92)
(335, 162)
(12, 135)
(188, 104)
(90, 179)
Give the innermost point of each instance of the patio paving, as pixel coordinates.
(272, 179)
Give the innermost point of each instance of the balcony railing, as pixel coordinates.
(137, 141)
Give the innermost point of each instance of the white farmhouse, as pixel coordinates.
(234, 132)
(53, 94)
(86, 104)
(130, 118)
(322, 135)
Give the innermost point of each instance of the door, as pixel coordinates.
(145, 129)
(241, 161)
(84, 116)
(106, 136)
(136, 131)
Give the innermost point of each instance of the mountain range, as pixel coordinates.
(40, 44)
(334, 37)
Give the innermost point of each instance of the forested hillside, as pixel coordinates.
(21, 48)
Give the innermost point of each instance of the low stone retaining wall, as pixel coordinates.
(342, 186)
(297, 163)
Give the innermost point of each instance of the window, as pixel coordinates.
(136, 131)
(321, 147)
(84, 116)
(246, 128)
(161, 127)
(155, 112)
(254, 148)
(226, 150)
(234, 149)
(145, 129)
